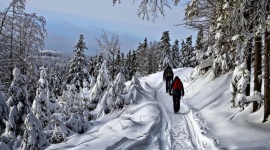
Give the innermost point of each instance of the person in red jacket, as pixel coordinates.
(168, 76)
(176, 90)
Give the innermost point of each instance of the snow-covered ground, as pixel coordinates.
(205, 121)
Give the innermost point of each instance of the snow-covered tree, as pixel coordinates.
(101, 85)
(60, 131)
(238, 85)
(153, 56)
(110, 48)
(133, 64)
(56, 84)
(119, 89)
(33, 137)
(199, 48)
(142, 60)
(175, 53)
(112, 100)
(21, 34)
(68, 98)
(3, 109)
(77, 123)
(220, 65)
(165, 48)
(127, 62)
(130, 97)
(41, 102)
(18, 104)
(77, 65)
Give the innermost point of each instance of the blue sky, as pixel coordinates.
(67, 19)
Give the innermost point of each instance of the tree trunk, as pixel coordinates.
(266, 77)
(248, 62)
(257, 69)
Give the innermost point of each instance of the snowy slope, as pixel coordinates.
(231, 127)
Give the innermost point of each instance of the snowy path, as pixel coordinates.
(185, 130)
(180, 135)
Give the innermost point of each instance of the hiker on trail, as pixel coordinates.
(168, 76)
(176, 90)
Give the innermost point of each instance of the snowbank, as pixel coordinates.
(231, 128)
(138, 126)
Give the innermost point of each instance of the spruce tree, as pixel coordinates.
(187, 56)
(77, 65)
(33, 137)
(142, 58)
(41, 102)
(175, 53)
(56, 84)
(18, 104)
(165, 48)
(111, 99)
(199, 51)
(134, 64)
(101, 85)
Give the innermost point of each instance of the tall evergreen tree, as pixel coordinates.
(102, 82)
(187, 56)
(142, 58)
(165, 48)
(40, 105)
(77, 65)
(199, 49)
(18, 104)
(56, 84)
(134, 63)
(175, 54)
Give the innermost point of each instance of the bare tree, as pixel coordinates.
(150, 9)
(22, 35)
(109, 47)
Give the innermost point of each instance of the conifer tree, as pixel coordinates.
(101, 85)
(128, 62)
(56, 84)
(175, 53)
(40, 105)
(165, 48)
(33, 137)
(134, 64)
(199, 51)
(111, 99)
(3, 109)
(142, 58)
(18, 104)
(187, 56)
(77, 65)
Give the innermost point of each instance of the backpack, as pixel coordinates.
(177, 85)
(168, 73)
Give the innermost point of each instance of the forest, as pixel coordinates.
(43, 97)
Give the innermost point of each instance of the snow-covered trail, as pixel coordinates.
(180, 136)
(185, 132)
